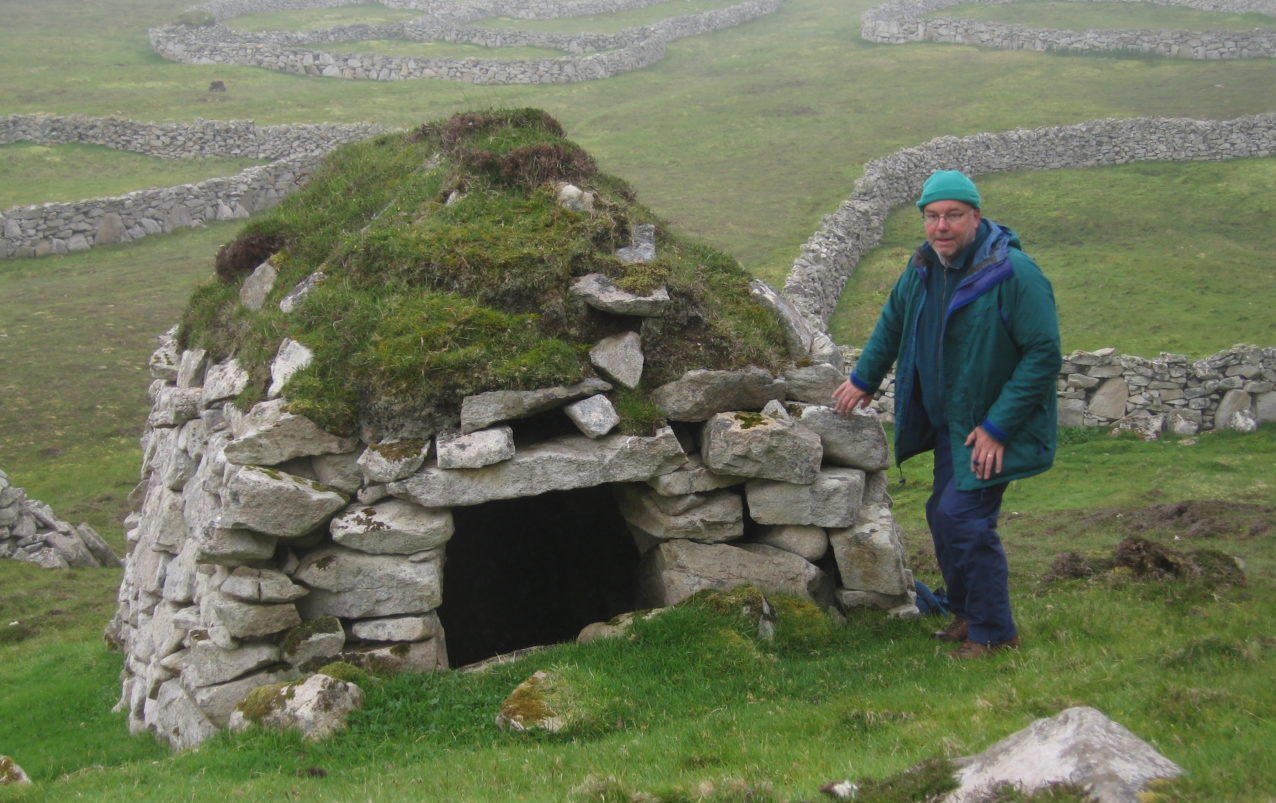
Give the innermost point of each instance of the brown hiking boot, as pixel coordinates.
(973, 649)
(955, 632)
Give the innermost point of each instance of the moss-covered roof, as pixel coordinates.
(448, 263)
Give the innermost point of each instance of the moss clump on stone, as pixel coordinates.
(449, 264)
(345, 671)
(303, 631)
(259, 702)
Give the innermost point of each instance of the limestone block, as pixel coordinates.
(251, 620)
(163, 361)
(594, 416)
(877, 488)
(176, 718)
(856, 440)
(814, 383)
(675, 570)
(304, 288)
(642, 249)
(275, 503)
(558, 464)
(317, 706)
(190, 368)
(484, 447)
(832, 500)
(418, 656)
(231, 546)
(174, 406)
(1183, 422)
(698, 394)
(753, 445)
(619, 358)
(807, 542)
(1078, 746)
(269, 435)
(218, 701)
(163, 525)
(253, 292)
(712, 518)
(1265, 407)
(225, 380)
(179, 580)
(356, 585)
(484, 409)
(398, 628)
(71, 550)
(392, 527)
(314, 643)
(1109, 400)
(691, 478)
(870, 555)
(209, 664)
(289, 359)
(1232, 403)
(390, 461)
(601, 293)
(261, 585)
(340, 471)
(1072, 412)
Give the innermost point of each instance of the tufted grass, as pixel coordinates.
(314, 19)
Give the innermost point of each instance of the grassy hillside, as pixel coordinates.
(742, 139)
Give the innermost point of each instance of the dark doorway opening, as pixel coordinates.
(532, 571)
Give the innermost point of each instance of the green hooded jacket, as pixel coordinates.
(1000, 360)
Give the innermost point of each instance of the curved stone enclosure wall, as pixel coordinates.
(55, 228)
(827, 260)
(903, 21)
(594, 55)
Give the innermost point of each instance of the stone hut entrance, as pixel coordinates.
(534, 570)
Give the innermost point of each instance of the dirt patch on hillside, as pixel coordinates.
(1189, 519)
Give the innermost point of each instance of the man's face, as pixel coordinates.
(950, 226)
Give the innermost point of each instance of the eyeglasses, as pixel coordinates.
(952, 218)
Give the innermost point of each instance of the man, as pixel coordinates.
(971, 326)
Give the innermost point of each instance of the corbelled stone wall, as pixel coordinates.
(594, 55)
(903, 21)
(828, 259)
(1234, 389)
(57, 228)
(262, 547)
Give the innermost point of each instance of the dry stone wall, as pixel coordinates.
(262, 547)
(593, 56)
(828, 258)
(1234, 389)
(904, 21)
(57, 228)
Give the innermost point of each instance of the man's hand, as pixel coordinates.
(847, 397)
(985, 459)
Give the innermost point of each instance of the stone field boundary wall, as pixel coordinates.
(902, 21)
(592, 56)
(58, 228)
(828, 259)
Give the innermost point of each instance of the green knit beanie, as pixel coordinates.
(948, 185)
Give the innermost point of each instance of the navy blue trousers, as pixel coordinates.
(963, 525)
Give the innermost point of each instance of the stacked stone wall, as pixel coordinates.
(828, 258)
(30, 532)
(903, 21)
(56, 228)
(1234, 389)
(594, 56)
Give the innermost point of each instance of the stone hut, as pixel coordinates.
(264, 545)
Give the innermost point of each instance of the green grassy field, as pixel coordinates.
(744, 139)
